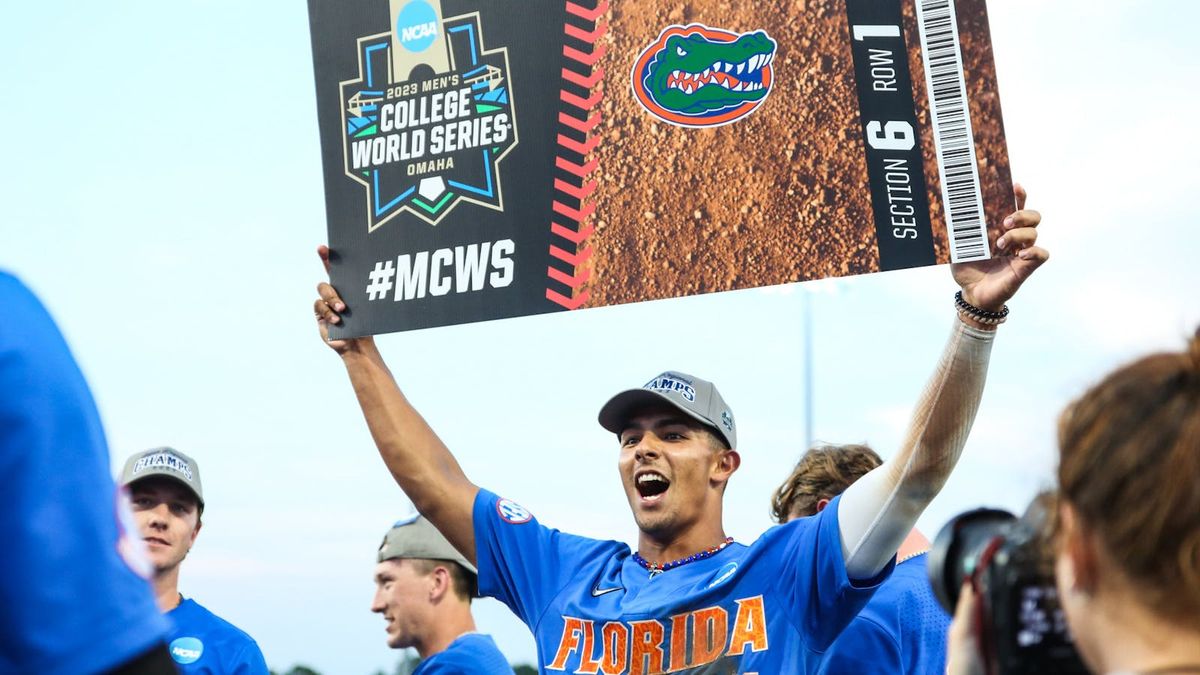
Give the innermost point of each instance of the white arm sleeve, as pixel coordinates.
(878, 511)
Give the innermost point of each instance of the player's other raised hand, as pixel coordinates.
(328, 308)
(989, 284)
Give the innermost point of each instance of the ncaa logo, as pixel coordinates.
(417, 26)
(186, 650)
(696, 76)
(512, 512)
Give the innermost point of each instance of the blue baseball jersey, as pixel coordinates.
(771, 607)
(70, 598)
(205, 644)
(901, 630)
(470, 654)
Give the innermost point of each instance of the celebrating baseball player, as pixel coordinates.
(423, 589)
(690, 599)
(168, 503)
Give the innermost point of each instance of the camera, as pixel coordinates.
(1011, 566)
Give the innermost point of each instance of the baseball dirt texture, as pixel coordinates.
(781, 195)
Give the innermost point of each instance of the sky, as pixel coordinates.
(162, 193)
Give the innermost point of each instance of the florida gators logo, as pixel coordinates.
(696, 76)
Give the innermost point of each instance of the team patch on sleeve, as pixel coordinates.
(512, 512)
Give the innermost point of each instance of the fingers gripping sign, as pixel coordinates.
(329, 307)
(989, 284)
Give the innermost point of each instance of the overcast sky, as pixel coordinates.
(162, 193)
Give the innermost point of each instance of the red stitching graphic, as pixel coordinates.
(581, 94)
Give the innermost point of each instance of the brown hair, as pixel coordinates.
(824, 472)
(1130, 467)
(464, 583)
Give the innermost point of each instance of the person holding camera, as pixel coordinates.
(1127, 537)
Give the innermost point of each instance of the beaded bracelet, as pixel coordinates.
(983, 316)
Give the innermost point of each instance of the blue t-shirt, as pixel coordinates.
(205, 644)
(70, 600)
(901, 630)
(469, 654)
(771, 607)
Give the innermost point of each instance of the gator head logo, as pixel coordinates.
(696, 76)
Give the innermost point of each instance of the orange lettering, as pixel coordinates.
(587, 664)
(646, 642)
(708, 634)
(569, 642)
(616, 648)
(749, 627)
(678, 641)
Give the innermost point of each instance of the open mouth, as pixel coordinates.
(651, 486)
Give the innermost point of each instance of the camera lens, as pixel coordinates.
(957, 547)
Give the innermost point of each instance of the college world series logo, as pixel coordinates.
(429, 116)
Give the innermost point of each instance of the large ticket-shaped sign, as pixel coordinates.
(497, 158)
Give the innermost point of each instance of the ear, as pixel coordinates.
(728, 461)
(196, 531)
(1077, 545)
(439, 583)
(821, 504)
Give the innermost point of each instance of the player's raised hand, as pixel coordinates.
(328, 308)
(988, 284)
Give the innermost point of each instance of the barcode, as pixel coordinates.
(952, 133)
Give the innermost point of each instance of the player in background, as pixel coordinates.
(168, 501)
(423, 589)
(689, 598)
(74, 595)
(902, 629)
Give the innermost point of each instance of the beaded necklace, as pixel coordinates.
(656, 568)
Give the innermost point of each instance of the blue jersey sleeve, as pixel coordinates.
(70, 600)
(813, 579)
(523, 563)
(864, 647)
(250, 661)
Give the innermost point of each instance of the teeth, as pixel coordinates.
(741, 67)
(739, 87)
(687, 89)
(758, 61)
(728, 67)
(706, 72)
(647, 477)
(675, 74)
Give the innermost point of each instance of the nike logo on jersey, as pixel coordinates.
(597, 591)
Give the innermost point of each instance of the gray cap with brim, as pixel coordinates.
(697, 398)
(416, 537)
(167, 463)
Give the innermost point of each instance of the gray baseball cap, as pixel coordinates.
(416, 537)
(165, 462)
(697, 398)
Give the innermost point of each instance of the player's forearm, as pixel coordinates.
(421, 464)
(879, 510)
